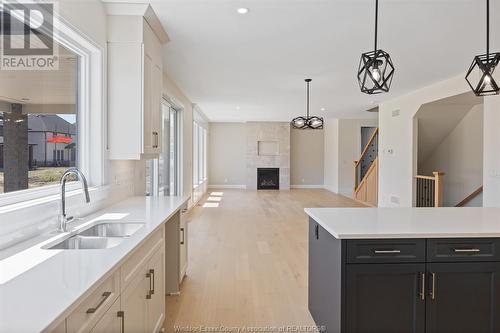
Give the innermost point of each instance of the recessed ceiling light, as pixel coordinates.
(237, 108)
(242, 10)
(323, 109)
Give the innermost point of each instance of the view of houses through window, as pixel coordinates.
(38, 125)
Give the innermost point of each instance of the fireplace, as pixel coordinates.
(268, 178)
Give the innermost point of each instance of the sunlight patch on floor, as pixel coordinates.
(210, 205)
(219, 194)
(214, 199)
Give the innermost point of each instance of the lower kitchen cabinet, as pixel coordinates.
(134, 303)
(385, 298)
(156, 301)
(131, 299)
(113, 321)
(463, 297)
(143, 301)
(403, 285)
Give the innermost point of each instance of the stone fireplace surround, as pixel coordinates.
(270, 132)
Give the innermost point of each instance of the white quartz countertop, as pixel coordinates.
(366, 223)
(38, 285)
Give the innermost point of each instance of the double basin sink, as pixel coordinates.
(101, 235)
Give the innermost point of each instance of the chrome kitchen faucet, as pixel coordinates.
(63, 219)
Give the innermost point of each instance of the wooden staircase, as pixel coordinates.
(366, 173)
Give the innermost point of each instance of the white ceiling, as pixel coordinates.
(251, 67)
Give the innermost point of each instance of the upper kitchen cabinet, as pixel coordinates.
(135, 73)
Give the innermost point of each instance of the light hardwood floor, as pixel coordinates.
(248, 260)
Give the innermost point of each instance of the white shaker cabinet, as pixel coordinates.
(135, 75)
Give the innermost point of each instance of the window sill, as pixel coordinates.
(50, 196)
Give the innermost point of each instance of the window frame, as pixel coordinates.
(91, 114)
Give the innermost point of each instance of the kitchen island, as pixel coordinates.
(405, 269)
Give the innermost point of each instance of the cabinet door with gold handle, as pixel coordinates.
(112, 321)
(384, 297)
(463, 297)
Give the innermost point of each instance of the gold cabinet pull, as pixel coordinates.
(422, 290)
(433, 286)
(105, 296)
(121, 315)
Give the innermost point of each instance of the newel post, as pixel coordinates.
(438, 188)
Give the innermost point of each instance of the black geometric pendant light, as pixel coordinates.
(376, 69)
(307, 122)
(481, 76)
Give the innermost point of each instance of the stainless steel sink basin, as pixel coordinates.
(112, 229)
(101, 235)
(87, 243)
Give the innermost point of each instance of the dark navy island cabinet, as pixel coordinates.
(444, 285)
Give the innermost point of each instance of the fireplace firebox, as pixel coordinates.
(268, 178)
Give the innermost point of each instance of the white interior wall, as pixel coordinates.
(306, 158)
(397, 162)
(491, 168)
(460, 157)
(331, 158)
(227, 146)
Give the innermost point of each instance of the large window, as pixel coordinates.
(38, 124)
(199, 154)
(163, 175)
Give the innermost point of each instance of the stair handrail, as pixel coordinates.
(358, 161)
(471, 196)
(365, 150)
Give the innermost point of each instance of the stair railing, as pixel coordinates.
(470, 197)
(368, 156)
(430, 190)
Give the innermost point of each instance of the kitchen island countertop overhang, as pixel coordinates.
(372, 223)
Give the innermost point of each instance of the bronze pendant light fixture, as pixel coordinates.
(481, 76)
(376, 70)
(307, 122)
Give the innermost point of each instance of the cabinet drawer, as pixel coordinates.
(470, 249)
(84, 317)
(385, 250)
(134, 264)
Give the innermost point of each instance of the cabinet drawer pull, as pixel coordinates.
(466, 250)
(152, 271)
(422, 291)
(121, 315)
(387, 251)
(105, 296)
(149, 276)
(433, 286)
(316, 231)
(182, 238)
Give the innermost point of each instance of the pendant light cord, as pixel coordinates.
(307, 98)
(487, 30)
(376, 23)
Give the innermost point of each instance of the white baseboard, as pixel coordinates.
(243, 187)
(307, 186)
